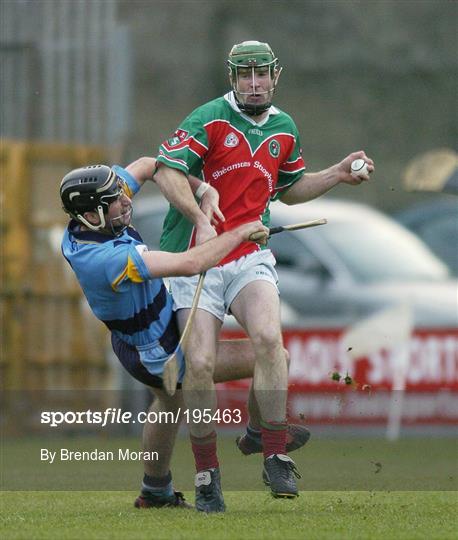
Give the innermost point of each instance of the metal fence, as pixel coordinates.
(65, 71)
(49, 338)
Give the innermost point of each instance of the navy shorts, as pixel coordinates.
(130, 359)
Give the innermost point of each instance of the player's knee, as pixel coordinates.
(200, 368)
(266, 342)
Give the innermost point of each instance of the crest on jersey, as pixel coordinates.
(231, 140)
(274, 148)
(174, 141)
(181, 134)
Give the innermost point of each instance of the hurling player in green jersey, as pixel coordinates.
(249, 151)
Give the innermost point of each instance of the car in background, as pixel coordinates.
(333, 275)
(436, 223)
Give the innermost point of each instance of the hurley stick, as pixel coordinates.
(295, 227)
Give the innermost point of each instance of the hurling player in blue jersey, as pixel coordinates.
(121, 280)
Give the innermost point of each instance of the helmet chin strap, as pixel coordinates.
(91, 226)
(252, 110)
(118, 231)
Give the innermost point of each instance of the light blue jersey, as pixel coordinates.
(115, 280)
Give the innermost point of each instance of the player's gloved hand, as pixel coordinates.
(254, 231)
(204, 231)
(344, 168)
(209, 205)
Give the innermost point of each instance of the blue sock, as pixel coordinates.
(158, 486)
(253, 433)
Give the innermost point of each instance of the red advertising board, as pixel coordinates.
(317, 355)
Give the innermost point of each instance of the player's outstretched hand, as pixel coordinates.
(254, 231)
(210, 206)
(344, 168)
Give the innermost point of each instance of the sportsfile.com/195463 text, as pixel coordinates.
(112, 415)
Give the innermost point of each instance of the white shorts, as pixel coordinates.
(223, 283)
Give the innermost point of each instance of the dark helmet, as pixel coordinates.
(88, 189)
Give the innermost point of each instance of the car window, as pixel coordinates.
(441, 235)
(379, 250)
(289, 251)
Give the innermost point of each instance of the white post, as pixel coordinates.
(388, 329)
(400, 365)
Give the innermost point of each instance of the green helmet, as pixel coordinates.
(252, 54)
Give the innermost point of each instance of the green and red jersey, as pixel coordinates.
(249, 163)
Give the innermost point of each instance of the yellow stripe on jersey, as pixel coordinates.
(131, 272)
(127, 190)
(117, 281)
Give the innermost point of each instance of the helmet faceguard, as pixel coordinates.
(91, 189)
(253, 56)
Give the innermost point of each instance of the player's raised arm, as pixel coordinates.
(312, 185)
(204, 256)
(142, 169)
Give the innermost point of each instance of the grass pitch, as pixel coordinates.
(369, 494)
(313, 515)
